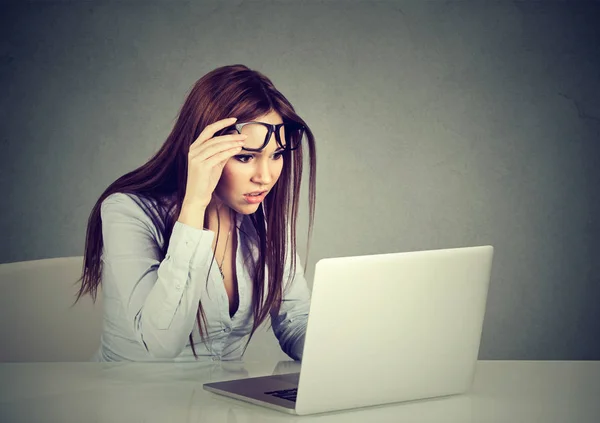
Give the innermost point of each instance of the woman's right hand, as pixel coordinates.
(206, 158)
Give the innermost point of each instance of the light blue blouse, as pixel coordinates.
(150, 305)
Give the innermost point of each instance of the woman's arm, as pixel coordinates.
(160, 298)
(289, 325)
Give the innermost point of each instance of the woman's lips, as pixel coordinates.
(255, 199)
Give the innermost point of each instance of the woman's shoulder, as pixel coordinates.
(135, 201)
(122, 202)
(124, 208)
(127, 212)
(135, 207)
(118, 198)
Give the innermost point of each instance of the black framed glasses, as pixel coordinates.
(288, 135)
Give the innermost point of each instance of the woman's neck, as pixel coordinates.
(219, 215)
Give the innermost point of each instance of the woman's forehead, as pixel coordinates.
(271, 117)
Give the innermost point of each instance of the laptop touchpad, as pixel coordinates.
(293, 378)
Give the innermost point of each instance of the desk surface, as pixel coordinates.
(503, 391)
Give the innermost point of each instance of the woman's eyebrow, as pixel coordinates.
(277, 150)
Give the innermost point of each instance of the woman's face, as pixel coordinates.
(250, 171)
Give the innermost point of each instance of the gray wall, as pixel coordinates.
(438, 125)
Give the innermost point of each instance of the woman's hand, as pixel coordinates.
(206, 158)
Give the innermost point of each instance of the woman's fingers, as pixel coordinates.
(209, 151)
(206, 157)
(209, 131)
(216, 140)
(222, 157)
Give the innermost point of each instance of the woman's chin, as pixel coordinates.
(247, 208)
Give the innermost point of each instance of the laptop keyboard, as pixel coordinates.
(286, 394)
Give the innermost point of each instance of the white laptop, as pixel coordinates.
(383, 328)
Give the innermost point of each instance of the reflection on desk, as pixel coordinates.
(503, 391)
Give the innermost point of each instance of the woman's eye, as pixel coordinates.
(243, 158)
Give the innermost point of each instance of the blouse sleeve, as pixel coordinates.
(289, 325)
(160, 297)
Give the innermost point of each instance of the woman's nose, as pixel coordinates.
(263, 173)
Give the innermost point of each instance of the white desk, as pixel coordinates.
(503, 391)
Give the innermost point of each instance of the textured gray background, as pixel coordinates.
(438, 124)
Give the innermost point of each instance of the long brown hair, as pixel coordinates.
(226, 91)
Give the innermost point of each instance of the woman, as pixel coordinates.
(218, 190)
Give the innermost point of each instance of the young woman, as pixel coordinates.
(197, 247)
